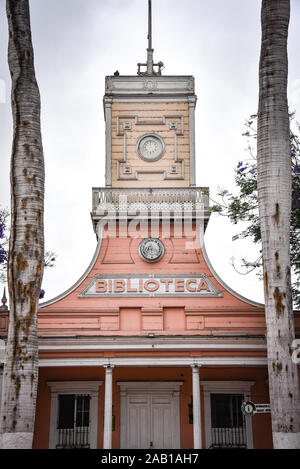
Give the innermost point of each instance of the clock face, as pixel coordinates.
(151, 249)
(150, 147)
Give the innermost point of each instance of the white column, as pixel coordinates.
(196, 408)
(107, 436)
(192, 105)
(107, 110)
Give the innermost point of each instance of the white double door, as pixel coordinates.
(150, 418)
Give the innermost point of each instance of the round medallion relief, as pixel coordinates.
(151, 249)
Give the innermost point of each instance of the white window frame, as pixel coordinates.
(226, 387)
(74, 387)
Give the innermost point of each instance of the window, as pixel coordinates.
(228, 428)
(74, 411)
(73, 421)
(225, 425)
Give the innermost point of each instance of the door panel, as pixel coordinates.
(162, 431)
(150, 420)
(138, 426)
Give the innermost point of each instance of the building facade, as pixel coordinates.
(150, 349)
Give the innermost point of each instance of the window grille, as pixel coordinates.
(73, 426)
(228, 425)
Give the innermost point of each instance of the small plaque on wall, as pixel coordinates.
(126, 170)
(127, 126)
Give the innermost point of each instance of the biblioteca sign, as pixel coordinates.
(198, 285)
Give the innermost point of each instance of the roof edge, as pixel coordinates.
(79, 281)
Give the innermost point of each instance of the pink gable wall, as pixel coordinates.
(70, 314)
(139, 315)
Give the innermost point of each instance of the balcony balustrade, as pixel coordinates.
(232, 437)
(192, 201)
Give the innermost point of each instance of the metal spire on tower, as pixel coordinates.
(150, 65)
(149, 50)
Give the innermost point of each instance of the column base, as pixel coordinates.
(286, 440)
(18, 440)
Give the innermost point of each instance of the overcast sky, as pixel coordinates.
(76, 44)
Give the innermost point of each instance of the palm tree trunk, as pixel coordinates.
(26, 249)
(274, 196)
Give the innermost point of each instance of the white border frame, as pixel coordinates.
(226, 387)
(74, 387)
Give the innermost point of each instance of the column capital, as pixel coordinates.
(195, 365)
(107, 101)
(192, 101)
